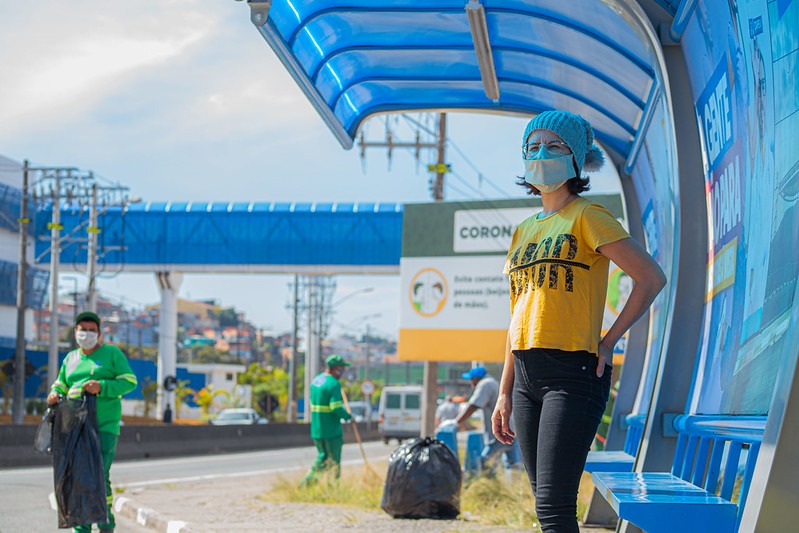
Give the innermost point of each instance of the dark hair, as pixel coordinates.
(576, 185)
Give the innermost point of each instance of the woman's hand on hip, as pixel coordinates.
(500, 420)
(605, 357)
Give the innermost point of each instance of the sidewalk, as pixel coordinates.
(238, 505)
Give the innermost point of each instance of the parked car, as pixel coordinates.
(238, 416)
(362, 411)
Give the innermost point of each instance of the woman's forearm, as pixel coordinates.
(506, 382)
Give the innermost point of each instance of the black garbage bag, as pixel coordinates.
(423, 481)
(78, 464)
(43, 439)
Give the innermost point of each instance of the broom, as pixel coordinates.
(367, 469)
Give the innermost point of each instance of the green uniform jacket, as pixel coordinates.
(110, 367)
(327, 407)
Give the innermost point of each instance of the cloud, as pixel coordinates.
(148, 77)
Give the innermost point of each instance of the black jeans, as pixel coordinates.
(558, 403)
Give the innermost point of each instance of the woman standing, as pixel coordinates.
(556, 378)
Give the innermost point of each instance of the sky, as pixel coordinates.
(183, 100)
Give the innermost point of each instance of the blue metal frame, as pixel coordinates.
(646, 120)
(681, 19)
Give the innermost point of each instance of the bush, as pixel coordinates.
(35, 406)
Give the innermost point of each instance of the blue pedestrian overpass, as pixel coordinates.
(236, 237)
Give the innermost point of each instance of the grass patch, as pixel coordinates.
(504, 500)
(353, 489)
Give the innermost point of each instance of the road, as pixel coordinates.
(25, 492)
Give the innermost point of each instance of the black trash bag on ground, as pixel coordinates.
(43, 439)
(78, 464)
(423, 481)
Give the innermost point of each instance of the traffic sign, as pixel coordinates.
(367, 387)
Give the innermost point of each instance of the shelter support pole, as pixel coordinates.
(169, 286)
(687, 283)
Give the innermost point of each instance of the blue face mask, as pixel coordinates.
(547, 173)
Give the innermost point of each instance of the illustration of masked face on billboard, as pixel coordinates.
(428, 292)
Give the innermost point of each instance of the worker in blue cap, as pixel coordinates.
(484, 397)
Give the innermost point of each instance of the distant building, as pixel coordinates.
(10, 201)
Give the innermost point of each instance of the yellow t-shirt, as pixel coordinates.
(558, 280)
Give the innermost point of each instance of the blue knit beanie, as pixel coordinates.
(575, 132)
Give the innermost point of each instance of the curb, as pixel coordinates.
(148, 518)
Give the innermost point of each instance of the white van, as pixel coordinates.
(400, 412)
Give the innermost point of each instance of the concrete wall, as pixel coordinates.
(149, 442)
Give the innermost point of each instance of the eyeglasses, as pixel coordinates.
(553, 147)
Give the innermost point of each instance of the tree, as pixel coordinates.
(206, 397)
(182, 392)
(209, 354)
(267, 382)
(149, 393)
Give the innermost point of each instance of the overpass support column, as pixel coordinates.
(169, 285)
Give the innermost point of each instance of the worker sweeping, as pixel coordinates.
(327, 412)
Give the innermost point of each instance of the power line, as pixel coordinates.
(481, 176)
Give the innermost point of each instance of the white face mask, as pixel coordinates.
(86, 339)
(549, 175)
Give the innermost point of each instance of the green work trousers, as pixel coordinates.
(108, 447)
(328, 457)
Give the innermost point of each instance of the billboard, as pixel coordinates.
(455, 303)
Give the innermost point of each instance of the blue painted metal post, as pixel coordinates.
(449, 436)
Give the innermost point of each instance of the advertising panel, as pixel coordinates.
(746, 108)
(455, 303)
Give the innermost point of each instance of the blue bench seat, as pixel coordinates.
(707, 477)
(618, 460)
(640, 499)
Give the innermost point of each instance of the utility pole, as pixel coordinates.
(430, 379)
(368, 352)
(18, 414)
(55, 253)
(91, 255)
(294, 352)
(437, 189)
(310, 349)
(78, 189)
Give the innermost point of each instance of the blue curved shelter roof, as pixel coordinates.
(359, 58)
